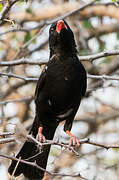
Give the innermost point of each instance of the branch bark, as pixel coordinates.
(90, 58)
(29, 79)
(38, 167)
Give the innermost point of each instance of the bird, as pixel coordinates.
(59, 90)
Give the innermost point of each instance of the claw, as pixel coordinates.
(74, 141)
(40, 137)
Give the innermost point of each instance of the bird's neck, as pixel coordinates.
(63, 51)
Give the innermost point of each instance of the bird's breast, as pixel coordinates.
(64, 84)
(64, 90)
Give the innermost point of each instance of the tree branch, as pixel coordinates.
(80, 8)
(29, 79)
(90, 58)
(22, 61)
(103, 77)
(102, 30)
(82, 141)
(60, 11)
(6, 133)
(24, 99)
(93, 57)
(19, 77)
(38, 167)
(5, 10)
(65, 145)
(7, 140)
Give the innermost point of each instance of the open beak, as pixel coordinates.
(60, 25)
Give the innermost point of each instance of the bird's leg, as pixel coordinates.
(73, 140)
(40, 137)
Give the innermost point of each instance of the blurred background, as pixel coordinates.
(24, 27)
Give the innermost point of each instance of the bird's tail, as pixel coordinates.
(30, 152)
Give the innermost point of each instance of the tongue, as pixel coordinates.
(60, 25)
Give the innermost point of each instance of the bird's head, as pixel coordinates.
(61, 38)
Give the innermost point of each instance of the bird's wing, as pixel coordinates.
(70, 118)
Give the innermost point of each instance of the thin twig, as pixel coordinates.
(29, 42)
(25, 99)
(82, 141)
(38, 167)
(29, 79)
(65, 145)
(103, 77)
(19, 77)
(5, 10)
(40, 62)
(99, 55)
(16, 166)
(50, 142)
(7, 140)
(23, 61)
(15, 30)
(6, 133)
(24, 29)
(80, 8)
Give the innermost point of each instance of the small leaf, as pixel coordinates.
(87, 24)
(29, 36)
(28, 10)
(22, 1)
(13, 24)
(115, 1)
(34, 41)
(1, 6)
(102, 47)
(117, 35)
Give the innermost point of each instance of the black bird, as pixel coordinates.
(58, 94)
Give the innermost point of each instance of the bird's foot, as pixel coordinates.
(74, 141)
(40, 137)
